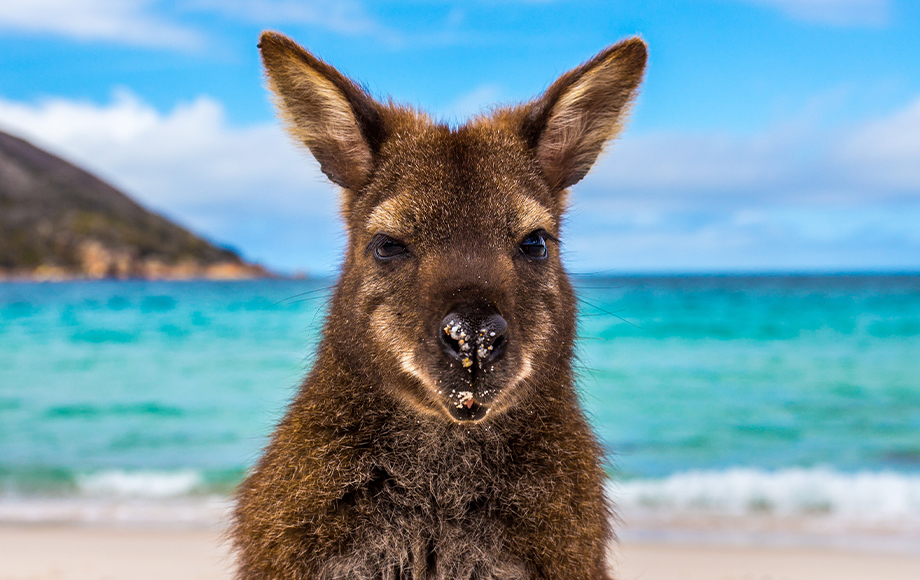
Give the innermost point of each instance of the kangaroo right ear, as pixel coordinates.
(569, 124)
(335, 118)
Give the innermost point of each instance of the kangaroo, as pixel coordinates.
(439, 434)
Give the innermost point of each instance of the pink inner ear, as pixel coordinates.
(333, 116)
(583, 110)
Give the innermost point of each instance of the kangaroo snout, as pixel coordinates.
(475, 340)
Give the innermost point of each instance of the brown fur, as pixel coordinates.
(377, 471)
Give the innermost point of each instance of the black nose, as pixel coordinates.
(474, 339)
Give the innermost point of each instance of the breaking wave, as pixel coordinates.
(181, 497)
(140, 484)
(867, 498)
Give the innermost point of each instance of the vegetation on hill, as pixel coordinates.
(58, 221)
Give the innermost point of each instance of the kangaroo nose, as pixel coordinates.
(478, 340)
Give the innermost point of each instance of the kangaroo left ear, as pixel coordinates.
(335, 118)
(569, 124)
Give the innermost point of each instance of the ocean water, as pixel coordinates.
(797, 397)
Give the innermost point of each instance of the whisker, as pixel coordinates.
(321, 307)
(307, 293)
(607, 312)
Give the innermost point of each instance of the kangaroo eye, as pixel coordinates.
(534, 246)
(386, 247)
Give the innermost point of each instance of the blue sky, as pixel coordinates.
(769, 135)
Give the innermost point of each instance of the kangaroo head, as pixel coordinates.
(453, 295)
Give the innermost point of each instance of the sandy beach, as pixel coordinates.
(650, 561)
(74, 552)
(45, 552)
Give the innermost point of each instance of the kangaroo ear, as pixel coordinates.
(569, 124)
(335, 118)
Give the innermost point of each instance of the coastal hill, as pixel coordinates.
(57, 222)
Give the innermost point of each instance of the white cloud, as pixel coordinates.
(156, 23)
(796, 163)
(476, 101)
(793, 197)
(797, 196)
(886, 153)
(663, 162)
(833, 12)
(782, 238)
(123, 21)
(188, 157)
(345, 16)
(231, 183)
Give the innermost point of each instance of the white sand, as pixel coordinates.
(106, 553)
(109, 553)
(675, 562)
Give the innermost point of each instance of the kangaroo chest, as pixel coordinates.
(455, 525)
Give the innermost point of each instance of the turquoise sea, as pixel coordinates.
(789, 395)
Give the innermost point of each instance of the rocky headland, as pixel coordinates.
(60, 222)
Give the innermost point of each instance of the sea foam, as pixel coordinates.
(140, 484)
(177, 497)
(861, 499)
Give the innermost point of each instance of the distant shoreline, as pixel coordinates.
(256, 272)
(215, 272)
